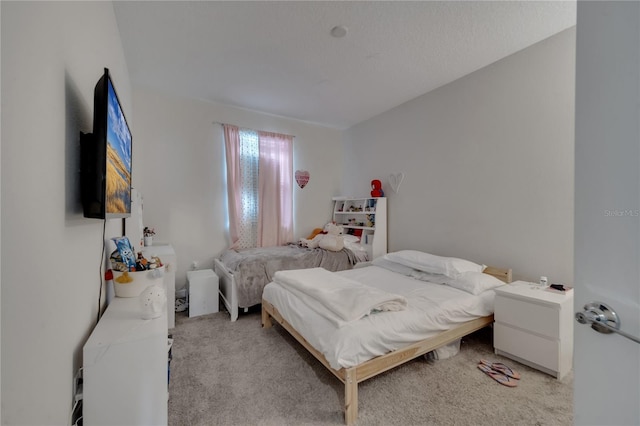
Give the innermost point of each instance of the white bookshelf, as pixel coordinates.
(366, 216)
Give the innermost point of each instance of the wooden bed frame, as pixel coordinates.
(350, 377)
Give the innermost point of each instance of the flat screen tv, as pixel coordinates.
(106, 157)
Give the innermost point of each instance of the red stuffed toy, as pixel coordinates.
(376, 188)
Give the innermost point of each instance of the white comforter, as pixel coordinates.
(431, 308)
(338, 298)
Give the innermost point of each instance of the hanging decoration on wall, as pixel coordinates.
(302, 177)
(395, 180)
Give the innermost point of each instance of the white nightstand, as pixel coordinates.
(534, 327)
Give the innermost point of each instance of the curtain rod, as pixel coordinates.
(248, 128)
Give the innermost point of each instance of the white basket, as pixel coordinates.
(140, 281)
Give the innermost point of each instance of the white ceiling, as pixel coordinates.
(280, 58)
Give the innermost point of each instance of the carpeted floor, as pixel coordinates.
(226, 373)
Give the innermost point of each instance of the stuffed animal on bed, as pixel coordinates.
(330, 239)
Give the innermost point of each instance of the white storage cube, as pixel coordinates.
(202, 286)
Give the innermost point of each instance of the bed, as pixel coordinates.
(441, 308)
(244, 273)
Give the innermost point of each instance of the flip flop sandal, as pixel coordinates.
(501, 368)
(498, 377)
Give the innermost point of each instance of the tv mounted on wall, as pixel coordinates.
(105, 168)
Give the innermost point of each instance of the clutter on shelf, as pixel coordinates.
(132, 275)
(123, 259)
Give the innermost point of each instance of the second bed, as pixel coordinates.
(244, 273)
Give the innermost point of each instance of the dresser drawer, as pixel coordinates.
(536, 318)
(534, 348)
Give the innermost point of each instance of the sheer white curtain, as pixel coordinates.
(259, 187)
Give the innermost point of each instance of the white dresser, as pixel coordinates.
(534, 327)
(125, 368)
(168, 257)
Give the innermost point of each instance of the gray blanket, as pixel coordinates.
(254, 268)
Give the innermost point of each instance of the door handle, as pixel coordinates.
(602, 319)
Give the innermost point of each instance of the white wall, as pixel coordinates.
(0, 250)
(53, 53)
(488, 164)
(180, 171)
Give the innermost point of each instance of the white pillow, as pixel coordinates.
(331, 242)
(350, 238)
(475, 282)
(399, 268)
(449, 266)
(396, 267)
(429, 277)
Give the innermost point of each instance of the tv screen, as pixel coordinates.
(106, 157)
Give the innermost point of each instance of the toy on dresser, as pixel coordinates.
(123, 259)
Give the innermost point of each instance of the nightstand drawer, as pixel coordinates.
(536, 318)
(537, 349)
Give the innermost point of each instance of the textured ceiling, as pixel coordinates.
(280, 58)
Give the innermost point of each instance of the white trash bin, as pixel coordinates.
(202, 287)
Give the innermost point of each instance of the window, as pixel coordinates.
(259, 187)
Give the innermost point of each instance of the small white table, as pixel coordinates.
(534, 326)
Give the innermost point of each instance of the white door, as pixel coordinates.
(607, 210)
